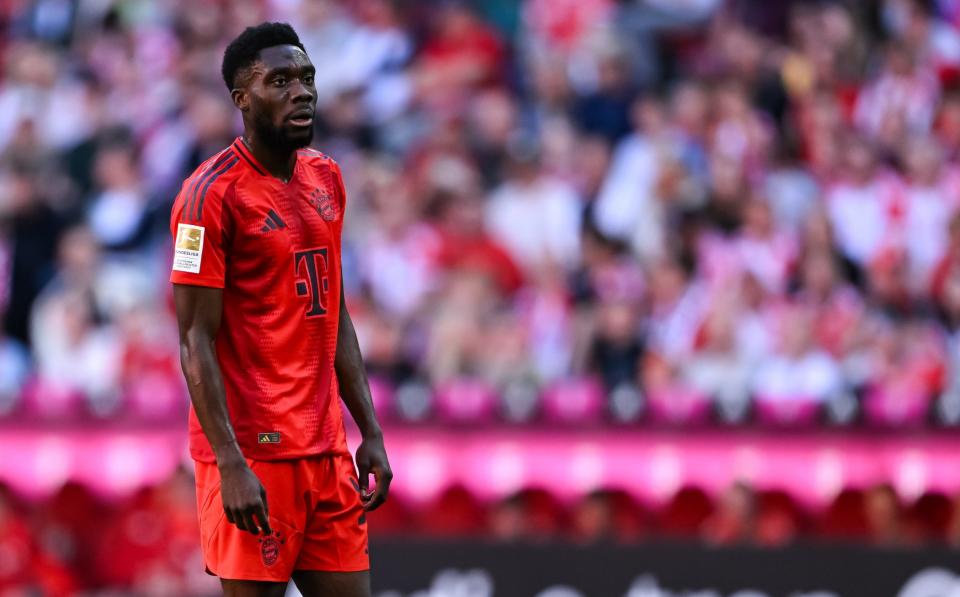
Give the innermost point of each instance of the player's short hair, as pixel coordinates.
(244, 50)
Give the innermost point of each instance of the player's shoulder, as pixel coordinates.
(208, 184)
(316, 159)
(216, 165)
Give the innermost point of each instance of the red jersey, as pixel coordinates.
(274, 249)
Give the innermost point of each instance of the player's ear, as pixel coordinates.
(241, 99)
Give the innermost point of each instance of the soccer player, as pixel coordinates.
(267, 346)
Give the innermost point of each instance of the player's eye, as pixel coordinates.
(279, 82)
(308, 80)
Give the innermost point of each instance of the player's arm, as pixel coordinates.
(199, 311)
(355, 391)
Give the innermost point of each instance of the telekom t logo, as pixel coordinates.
(312, 265)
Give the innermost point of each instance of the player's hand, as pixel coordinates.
(244, 499)
(372, 460)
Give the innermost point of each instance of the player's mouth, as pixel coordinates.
(301, 118)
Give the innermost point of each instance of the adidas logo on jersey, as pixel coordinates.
(273, 222)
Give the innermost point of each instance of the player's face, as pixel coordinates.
(283, 97)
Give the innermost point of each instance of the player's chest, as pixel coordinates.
(281, 220)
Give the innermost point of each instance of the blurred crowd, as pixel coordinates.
(738, 204)
(146, 544)
(583, 209)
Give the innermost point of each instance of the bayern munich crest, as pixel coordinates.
(325, 205)
(269, 550)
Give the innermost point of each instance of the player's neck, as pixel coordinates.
(278, 163)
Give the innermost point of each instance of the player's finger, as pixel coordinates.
(239, 521)
(263, 501)
(366, 494)
(375, 500)
(249, 519)
(379, 495)
(264, 519)
(229, 514)
(364, 478)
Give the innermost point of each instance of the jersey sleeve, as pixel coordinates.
(341, 189)
(198, 226)
(341, 192)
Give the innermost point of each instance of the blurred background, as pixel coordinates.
(655, 295)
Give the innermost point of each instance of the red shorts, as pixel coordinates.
(316, 516)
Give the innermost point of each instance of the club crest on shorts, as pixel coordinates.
(269, 550)
(326, 207)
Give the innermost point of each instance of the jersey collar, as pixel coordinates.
(241, 148)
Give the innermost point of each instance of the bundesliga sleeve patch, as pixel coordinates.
(188, 249)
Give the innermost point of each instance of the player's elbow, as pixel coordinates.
(188, 363)
(193, 350)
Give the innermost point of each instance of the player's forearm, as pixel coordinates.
(352, 378)
(205, 383)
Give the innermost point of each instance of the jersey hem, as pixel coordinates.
(207, 282)
(280, 457)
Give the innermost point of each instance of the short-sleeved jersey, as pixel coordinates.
(274, 249)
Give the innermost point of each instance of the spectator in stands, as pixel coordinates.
(463, 306)
(798, 369)
(605, 109)
(27, 567)
(398, 261)
(535, 215)
(76, 358)
(33, 229)
(15, 366)
(930, 199)
(722, 367)
(465, 245)
(900, 101)
(491, 124)
(77, 349)
(884, 514)
(859, 203)
(768, 254)
(117, 212)
(149, 370)
(628, 205)
(953, 529)
(677, 306)
(734, 519)
(946, 277)
(616, 352)
(460, 54)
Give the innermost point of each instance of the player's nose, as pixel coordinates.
(301, 93)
